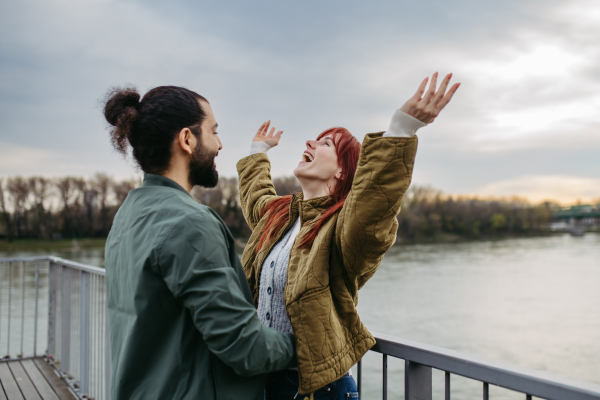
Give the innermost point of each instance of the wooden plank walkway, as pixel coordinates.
(31, 379)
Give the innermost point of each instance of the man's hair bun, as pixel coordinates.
(121, 110)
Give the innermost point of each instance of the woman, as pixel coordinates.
(310, 254)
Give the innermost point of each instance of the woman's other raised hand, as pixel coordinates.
(270, 138)
(426, 108)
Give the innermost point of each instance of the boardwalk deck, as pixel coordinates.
(31, 379)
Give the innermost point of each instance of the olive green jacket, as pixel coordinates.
(322, 286)
(182, 321)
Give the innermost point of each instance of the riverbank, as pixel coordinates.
(67, 245)
(19, 245)
(453, 238)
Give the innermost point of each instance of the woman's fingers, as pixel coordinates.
(419, 93)
(442, 90)
(266, 127)
(431, 90)
(261, 129)
(446, 99)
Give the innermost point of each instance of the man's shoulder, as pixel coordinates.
(162, 209)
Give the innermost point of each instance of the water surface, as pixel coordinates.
(531, 302)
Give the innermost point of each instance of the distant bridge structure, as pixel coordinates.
(578, 212)
(577, 218)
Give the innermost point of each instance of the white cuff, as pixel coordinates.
(403, 125)
(259, 147)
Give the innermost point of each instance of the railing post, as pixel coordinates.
(417, 381)
(1, 264)
(35, 321)
(107, 353)
(22, 308)
(65, 331)
(385, 377)
(9, 307)
(359, 376)
(84, 334)
(52, 300)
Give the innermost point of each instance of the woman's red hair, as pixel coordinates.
(347, 149)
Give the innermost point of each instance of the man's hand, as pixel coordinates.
(270, 138)
(428, 107)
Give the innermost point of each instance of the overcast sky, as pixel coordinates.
(526, 120)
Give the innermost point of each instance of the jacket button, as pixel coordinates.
(268, 316)
(269, 290)
(272, 264)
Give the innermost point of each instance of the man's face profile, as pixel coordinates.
(203, 170)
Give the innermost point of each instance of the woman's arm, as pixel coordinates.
(367, 224)
(254, 171)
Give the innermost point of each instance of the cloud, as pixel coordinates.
(562, 188)
(529, 103)
(16, 160)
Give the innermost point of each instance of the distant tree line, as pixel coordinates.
(75, 207)
(428, 213)
(70, 207)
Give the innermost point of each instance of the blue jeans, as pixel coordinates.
(283, 385)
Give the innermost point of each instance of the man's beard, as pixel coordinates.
(202, 168)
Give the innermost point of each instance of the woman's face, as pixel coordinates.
(319, 163)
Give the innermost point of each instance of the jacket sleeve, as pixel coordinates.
(194, 262)
(256, 187)
(367, 224)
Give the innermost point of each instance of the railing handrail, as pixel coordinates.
(533, 382)
(59, 261)
(524, 380)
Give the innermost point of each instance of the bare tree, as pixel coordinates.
(18, 190)
(102, 184)
(67, 194)
(40, 192)
(6, 217)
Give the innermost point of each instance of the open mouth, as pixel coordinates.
(307, 157)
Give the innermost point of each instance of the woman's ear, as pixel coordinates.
(339, 176)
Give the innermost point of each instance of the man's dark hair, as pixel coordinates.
(151, 125)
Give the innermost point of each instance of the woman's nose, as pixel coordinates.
(310, 144)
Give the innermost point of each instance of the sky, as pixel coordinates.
(525, 121)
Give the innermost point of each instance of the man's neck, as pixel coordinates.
(180, 176)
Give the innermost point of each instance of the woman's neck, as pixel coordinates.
(312, 188)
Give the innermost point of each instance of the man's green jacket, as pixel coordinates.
(182, 321)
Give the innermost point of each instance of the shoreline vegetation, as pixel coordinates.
(76, 213)
(40, 245)
(81, 244)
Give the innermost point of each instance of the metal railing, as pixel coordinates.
(65, 300)
(420, 359)
(70, 298)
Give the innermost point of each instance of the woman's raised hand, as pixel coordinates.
(270, 138)
(426, 108)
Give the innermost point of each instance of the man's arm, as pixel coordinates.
(195, 264)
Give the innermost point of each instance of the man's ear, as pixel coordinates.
(184, 139)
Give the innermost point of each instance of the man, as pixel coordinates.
(182, 321)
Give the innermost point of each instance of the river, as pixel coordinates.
(531, 302)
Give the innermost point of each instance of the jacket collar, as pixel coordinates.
(310, 209)
(159, 180)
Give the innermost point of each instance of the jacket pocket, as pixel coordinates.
(318, 329)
